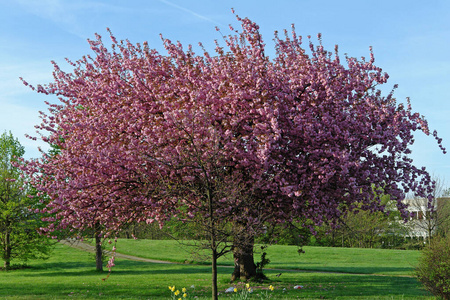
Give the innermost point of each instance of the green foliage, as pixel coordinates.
(366, 229)
(19, 223)
(433, 269)
(285, 234)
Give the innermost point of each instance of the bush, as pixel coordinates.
(433, 269)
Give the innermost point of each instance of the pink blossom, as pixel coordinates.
(143, 136)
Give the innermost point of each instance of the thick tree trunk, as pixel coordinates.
(98, 254)
(244, 265)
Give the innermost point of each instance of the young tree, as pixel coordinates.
(236, 138)
(19, 224)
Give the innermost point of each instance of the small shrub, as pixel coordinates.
(433, 270)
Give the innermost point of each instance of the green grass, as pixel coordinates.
(347, 260)
(70, 274)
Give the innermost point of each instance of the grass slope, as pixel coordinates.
(70, 273)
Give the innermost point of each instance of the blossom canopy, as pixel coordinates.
(144, 136)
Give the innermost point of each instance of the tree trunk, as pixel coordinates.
(98, 250)
(213, 244)
(214, 274)
(244, 265)
(430, 232)
(7, 254)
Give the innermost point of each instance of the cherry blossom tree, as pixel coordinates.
(234, 138)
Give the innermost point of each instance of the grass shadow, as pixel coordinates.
(352, 270)
(321, 285)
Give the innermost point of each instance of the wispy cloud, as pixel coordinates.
(193, 13)
(59, 12)
(47, 9)
(71, 16)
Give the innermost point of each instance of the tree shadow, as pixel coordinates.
(123, 267)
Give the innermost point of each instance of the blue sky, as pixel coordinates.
(411, 41)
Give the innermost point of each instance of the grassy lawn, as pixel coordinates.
(347, 260)
(70, 274)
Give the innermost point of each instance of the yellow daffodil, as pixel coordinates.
(235, 290)
(247, 285)
(172, 288)
(271, 287)
(177, 292)
(183, 290)
(184, 295)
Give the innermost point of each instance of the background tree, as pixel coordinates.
(444, 229)
(443, 213)
(19, 224)
(446, 193)
(430, 217)
(363, 230)
(235, 139)
(366, 229)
